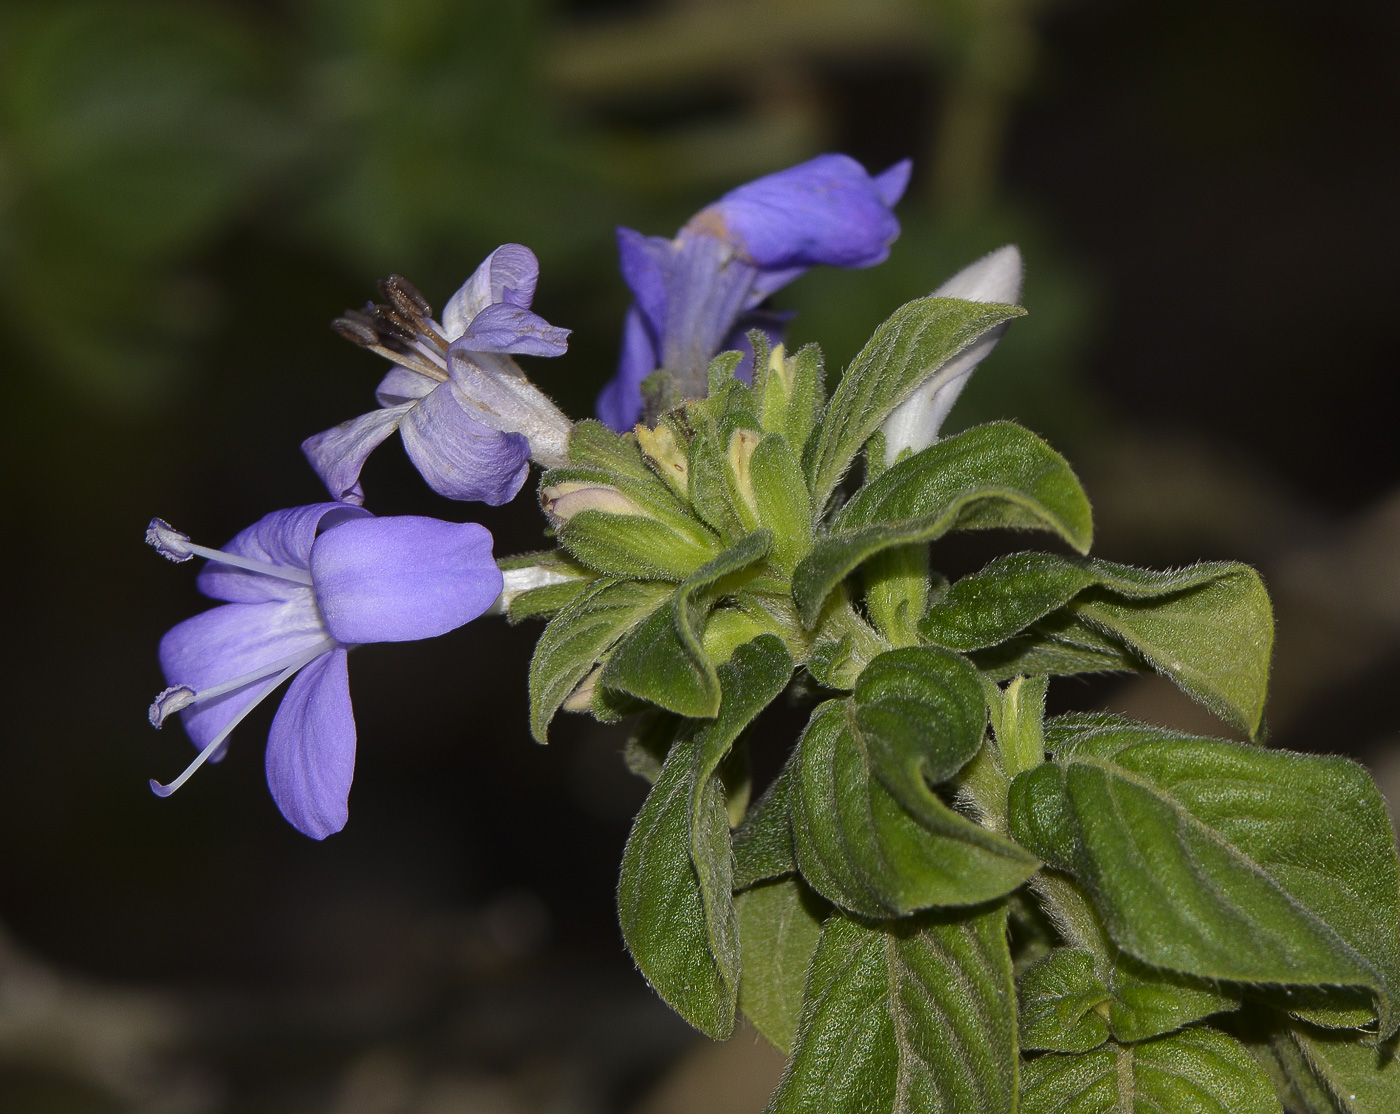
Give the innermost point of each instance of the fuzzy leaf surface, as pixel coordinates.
(1058, 994)
(1348, 1076)
(997, 475)
(1222, 860)
(916, 1017)
(913, 343)
(1208, 627)
(579, 636)
(675, 895)
(860, 848)
(763, 842)
(921, 714)
(663, 660)
(779, 924)
(1198, 1071)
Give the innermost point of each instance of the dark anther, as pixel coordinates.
(405, 298)
(388, 321)
(357, 332)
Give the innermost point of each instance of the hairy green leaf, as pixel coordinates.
(1058, 995)
(1208, 627)
(1221, 859)
(663, 661)
(675, 895)
(1337, 1073)
(781, 494)
(992, 476)
(779, 923)
(580, 636)
(914, 1017)
(860, 848)
(1197, 1070)
(906, 349)
(921, 714)
(763, 842)
(634, 545)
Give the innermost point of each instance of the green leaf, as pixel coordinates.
(1059, 646)
(1208, 627)
(580, 636)
(1195, 1070)
(1150, 1001)
(763, 842)
(675, 895)
(860, 848)
(781, 494)
(914, 1016)
(789, 390)
(1340, 1072)
(1221, 859)
(663, 661)
(905, 350)
(1058, 995)
(992, 476)
(1146, 1001)
(634, 546)
(779, 923)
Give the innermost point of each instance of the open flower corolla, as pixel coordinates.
(470, 418)
(302, 587)
(700, 293)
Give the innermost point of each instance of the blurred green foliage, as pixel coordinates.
(138, 140)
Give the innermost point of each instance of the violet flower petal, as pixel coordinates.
(403, 578)
(338, 454)
(282, 539)
(827, 210)
(226, 643)
(645, 261)
(504, 327)
(508, 274)
(458, 456)
(311, 748)
(890, 184)
(619, 406)
(401, 385)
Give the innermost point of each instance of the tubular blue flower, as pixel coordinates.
(915, 422)
(471, 420)
(698, 294)
(302, 587)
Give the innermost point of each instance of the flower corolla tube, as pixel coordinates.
(915, 422)
(302, 587)
(700, 293)
(470, 418)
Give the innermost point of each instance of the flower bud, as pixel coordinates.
(661, 447)
(740, 455)
(562, 501)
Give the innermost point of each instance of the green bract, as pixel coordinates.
(1198, 924)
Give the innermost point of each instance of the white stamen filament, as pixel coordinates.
(207, 753)
(413, 363)
(291, 661)
(280, 572)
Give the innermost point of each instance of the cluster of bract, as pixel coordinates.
(945, 901)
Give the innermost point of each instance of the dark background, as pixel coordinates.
(1205, 195)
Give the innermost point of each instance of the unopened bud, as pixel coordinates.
(662, 449)
(581, 699)
(562, 501)
(779, 365)
(740, 455)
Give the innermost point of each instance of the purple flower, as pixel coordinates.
(698, 294)
(471, 421)
(303, 586)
